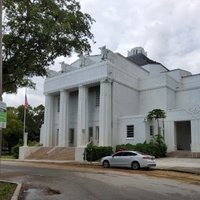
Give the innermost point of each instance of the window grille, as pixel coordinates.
(130, 131)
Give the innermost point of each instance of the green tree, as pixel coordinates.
(38, 31)
(34, 120)
(156, 114)
(14, 130)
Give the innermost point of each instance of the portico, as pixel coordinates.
(90, 123)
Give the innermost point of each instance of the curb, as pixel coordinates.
(195, 171)
(17, 191)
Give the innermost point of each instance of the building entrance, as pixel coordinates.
(183, 135)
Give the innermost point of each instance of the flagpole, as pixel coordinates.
(25, 107)
(24, 120)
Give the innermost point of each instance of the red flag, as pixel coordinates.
(26, 102)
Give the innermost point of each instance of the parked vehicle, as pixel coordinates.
(133, 159)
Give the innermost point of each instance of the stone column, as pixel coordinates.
(105, 114)
(48, 120)
(170, 136)
(64, 119)
(195, 136)
(82, 129)
(25, 139)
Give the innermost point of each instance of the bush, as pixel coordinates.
(93, 153)
(125, 147)
(156, 147)
(34, 144)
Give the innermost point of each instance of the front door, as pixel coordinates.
(183, 135)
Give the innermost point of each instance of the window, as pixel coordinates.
(151, 130)
(90, 135)
(119, 154)
(129, 154)
(58, 104)
(97, 134)
(71, 136)
(97, 97)
(130, 131)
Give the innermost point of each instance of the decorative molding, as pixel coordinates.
(106, 80)
(194, 111)
(51, 73)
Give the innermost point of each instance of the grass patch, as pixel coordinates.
(7, 157)
(7, 190)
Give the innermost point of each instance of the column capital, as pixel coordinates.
(62, 90)
(106, 80)
(46, 94)
(82, 86)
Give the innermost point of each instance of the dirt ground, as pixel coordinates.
(95, 168)
(184, 177)
(180, 176)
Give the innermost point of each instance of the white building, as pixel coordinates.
(106, 98)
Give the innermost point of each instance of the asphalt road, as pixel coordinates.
(42, 183)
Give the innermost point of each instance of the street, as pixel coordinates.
(49, 181)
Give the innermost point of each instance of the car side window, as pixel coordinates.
(129, 154)
(126, 154)
(133, 154)
(118, 154)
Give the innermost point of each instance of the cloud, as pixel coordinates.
(168, 30)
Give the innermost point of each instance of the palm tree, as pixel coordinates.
(156, 114)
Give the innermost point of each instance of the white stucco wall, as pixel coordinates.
(93, 109)
(81, 76)
(154, 69)
(125, 100)
(139, 129)
(152, 99)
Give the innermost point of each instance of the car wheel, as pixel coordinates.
(135, 165)
(106, 164)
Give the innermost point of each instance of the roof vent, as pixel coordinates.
(137, 50)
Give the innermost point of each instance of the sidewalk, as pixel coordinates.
(189, 165)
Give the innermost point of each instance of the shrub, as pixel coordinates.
(159, 142)
(34, 144)
(156, 147)
(125, 147)
(93, 153)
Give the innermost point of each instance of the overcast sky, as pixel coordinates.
(169, 30)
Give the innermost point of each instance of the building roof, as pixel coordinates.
(140, 59)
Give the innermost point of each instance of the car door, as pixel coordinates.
(129, 157)
(116, 159)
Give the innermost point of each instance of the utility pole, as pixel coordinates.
(1, 76)
(1, 68)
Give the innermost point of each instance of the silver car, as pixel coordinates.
(132, 159)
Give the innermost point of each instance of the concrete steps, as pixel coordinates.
(40, 153)
(53, 153)
(180, 154)
(62, 153)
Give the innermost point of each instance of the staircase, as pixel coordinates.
(180, 154)
(53, 153)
